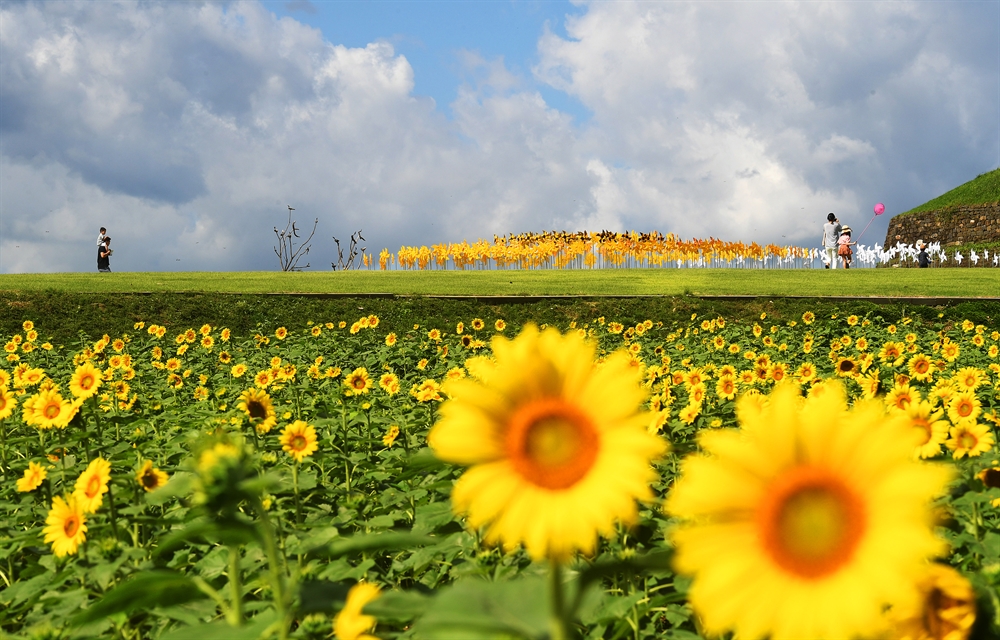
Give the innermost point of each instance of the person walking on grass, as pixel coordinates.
(104, 256)
(844, 246)
(831, 235)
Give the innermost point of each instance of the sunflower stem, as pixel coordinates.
(97, 422)
(114, 514)
(343, 422)
(62, 456)
(277, 571)
(295, 486)
(3, 442)
(347, 477)
(558, 624)
(235, 617)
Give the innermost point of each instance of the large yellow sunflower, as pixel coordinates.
(33, 477)
(807, 521)
(969, 438)
(357, 382)
(258, 407)
(299, 440)
(921, 367)
(901, 397)
(350, 623)
(991, 480)
(931, 430)
(149, 477)
(557, 444)
(845, 366)
(389, 383)
(969, 378)
(92, 484)
(85, 381)
(964, 405)
(7, 403)
(66, 526)
(946, 610)
(50, 410)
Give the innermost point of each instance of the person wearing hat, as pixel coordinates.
(831, 231)
(923, 258)
(844, 246)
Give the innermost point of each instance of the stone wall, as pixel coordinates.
(969, 224)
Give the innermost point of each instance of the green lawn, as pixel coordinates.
(803, 282)
(981, 190)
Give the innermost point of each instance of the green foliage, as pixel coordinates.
(253, 544)
(985, 188)
(63, 316)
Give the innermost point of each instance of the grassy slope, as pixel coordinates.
(801, 282)
(985, 188)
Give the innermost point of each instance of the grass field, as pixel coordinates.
(972, 283)
(984, 188)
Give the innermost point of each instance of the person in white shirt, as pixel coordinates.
(831, 234)
(100, 238)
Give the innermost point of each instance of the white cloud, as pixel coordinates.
(758, 118)
(187, 128)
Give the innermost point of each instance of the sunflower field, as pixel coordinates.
(821, 477)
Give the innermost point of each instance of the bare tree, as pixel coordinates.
(352, 252)
(287, 252)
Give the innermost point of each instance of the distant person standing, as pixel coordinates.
(831, 235)
(104, 256)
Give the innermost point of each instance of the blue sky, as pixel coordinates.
(432, 35)
(188, 128)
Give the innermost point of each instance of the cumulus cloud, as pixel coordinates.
(187, 128)
(756, 118)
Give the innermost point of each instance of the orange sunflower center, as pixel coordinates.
(968, 440)
(964, 408)
(810, 522)
(923, 427)
(921, 366)
(71, 526)
(358, 383)
(727, 387)
(93, 486)
(51, 410)
(298, 443)
(551, 443)
(86, 382)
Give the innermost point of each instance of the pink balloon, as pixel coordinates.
(879, 209)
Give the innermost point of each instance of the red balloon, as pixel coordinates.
(879, 209)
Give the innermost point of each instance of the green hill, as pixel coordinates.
(984, 189)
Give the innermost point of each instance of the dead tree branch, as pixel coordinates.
(288, 253)
(352, 252)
